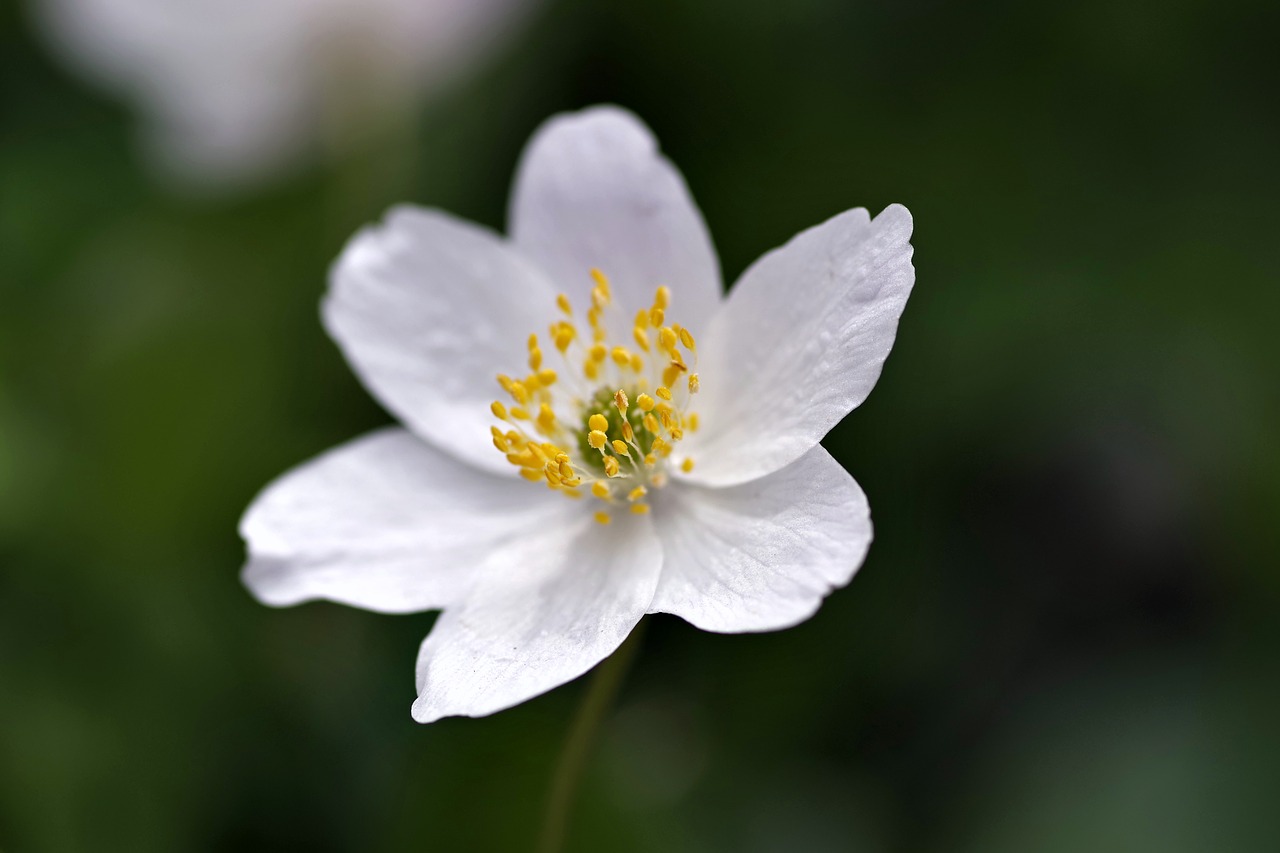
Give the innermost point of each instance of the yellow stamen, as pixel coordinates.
(687, 465)
(640, 509)
(602, 517)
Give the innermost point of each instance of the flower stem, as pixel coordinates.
(596, 703)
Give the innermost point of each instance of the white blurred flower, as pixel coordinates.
(237, 90)
(681, 425)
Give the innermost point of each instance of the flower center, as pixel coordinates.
(609, 424)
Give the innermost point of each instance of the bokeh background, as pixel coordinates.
(1065, 637)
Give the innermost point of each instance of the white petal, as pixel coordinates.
(799, 343)
(761, 555)
(593, 191)
(428, 309)
(559, 602)
(386, 522)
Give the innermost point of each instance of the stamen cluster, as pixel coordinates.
(610, 424)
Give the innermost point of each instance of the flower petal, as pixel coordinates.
(385, 522)
(427, 310)
(593, 191)
(762, 555)
(800, 343)
(558, 602)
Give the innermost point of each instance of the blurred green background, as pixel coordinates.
(1065, 637)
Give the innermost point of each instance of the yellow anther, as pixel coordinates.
(659, 446)
(656, 316)
(620, 400)
(692, 421)
(637, 363)
(546, 417)
(552, 475)
(676, 433)
(599, 298)
(667, 338)
(611, 466)
(642, 319)
(532, 382)
(597, 439)
(640, 509)
(694, 383)
(499, 410)
(650, 423)
(535, 358)
(641, 336)
(620, 447)
(563, 336)
(505, 381)
(598, 352)
(628, 434)
(533, 342)
(600, 489)
(500, 442)
(686, 339)
(621, 357)
(662, 297)
(546, 377)
(598, 422)
(671, 373)
(519, 414)
(562, 302)
(687, 465)
(601, 280)
(531, 474)
(520, 392)
(664, 392)
(650, 459)
(591, 369)
(637, 493)
(566, 471)
(645, 402)
(602, 517)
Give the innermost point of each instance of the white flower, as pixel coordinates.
(236, 90)
(672, 434)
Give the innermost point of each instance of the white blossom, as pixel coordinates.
(592, 430)
(236, 91)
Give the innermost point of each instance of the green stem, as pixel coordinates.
(596, 703)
